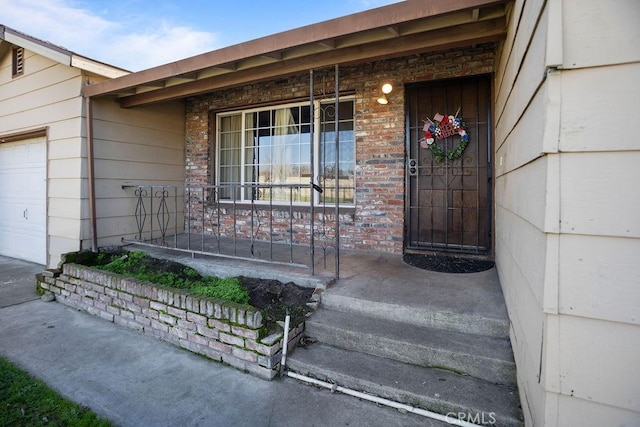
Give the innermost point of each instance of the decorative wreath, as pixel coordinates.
(443, 127)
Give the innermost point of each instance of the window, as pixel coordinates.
(17, 64)
(273, 146)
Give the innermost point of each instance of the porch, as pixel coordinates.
(435, 341)
(380, 278)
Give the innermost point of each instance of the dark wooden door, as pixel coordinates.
(449, 202)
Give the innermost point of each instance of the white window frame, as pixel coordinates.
(316, 149)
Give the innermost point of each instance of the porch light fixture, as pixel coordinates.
(386, 89)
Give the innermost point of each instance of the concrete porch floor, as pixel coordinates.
(383, 280)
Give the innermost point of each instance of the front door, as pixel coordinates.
(448, 206)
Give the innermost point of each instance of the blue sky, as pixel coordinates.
(139, 34)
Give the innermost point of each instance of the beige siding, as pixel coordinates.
(567, 228)
(48, 95)
(592, 122)
(135, 146)
(600, 33)
(599, 278)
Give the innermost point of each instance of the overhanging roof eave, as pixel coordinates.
(327, 32)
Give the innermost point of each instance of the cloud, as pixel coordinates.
(134, 41)
(165, 44)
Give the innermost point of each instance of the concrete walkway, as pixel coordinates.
(17, 284)
(135, 380)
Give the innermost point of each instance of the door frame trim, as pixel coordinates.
(490, 253)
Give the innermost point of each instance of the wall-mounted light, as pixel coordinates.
(386, 89)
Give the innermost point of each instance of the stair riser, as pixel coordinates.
(395, 394)
(495, 371)
(423, 317)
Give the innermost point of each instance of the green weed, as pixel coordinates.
(26, 401)
(137, 264)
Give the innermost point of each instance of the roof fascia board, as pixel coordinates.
(44, 49)
(381, 17)
(97, 67)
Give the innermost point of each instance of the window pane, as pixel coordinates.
(273, 151)
(327, 172)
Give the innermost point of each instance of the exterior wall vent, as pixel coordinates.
(18, 62)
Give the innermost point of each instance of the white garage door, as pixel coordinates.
(23, 195)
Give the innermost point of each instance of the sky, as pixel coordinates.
(140, 34)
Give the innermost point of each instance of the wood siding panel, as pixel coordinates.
(599, 361)
(598, 33)
(67, 168)
(573, 411)
(46, 96)
(45, 115)
(71, 148)
(64, 208)
(525, 314)
(158, 116)
(513, 153)
(530, 78)
(116, 206)
(511, 61)
(32, 82)
(65, 227)
(599, 193)
(112, 150)
(514, 14)
(603, 118)
(599, 278)
(135, 146)
(69, 188)
(523, 192)
(112, 188)
(130, 133)
(529, 259)
(59, 245)
(133, 172)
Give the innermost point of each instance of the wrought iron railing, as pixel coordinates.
(273, 223)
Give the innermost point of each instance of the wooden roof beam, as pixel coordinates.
(394, 30)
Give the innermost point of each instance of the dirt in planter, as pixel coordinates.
(272, 297)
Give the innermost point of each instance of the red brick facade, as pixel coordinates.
(377, 221)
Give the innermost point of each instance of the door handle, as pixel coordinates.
(25, 214)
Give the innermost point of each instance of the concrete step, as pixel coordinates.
(487, 358)
(433, 389)
(424, 315)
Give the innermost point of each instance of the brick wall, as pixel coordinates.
(223, 331)
(377, 221)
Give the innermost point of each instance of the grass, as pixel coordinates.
(139, 265)
(26, 401)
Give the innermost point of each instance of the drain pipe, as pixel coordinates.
(358, 394)
(285, 343)
(91, 175)
(383, 401)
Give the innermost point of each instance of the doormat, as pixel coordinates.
(447, 264)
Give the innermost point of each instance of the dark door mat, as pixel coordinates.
(447, 264)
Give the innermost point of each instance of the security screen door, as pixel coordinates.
(448, 206)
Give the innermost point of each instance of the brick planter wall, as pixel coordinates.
(223, 331)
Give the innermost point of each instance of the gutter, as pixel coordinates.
(91, 174)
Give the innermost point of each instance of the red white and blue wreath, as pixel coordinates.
(443, 127)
